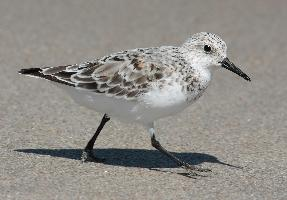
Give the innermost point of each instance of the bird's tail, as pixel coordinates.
(37, 72)
(55, 74)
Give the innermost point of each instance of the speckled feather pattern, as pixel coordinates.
(127, 74)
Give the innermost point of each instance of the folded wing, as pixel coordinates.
(117, 75)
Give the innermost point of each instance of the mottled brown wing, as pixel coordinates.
(124, 78)
(62, 74)
(118, 77)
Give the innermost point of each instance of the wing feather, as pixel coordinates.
(120, 75)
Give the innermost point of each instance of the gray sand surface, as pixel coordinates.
(238, 129)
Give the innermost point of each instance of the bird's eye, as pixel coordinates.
(207, 48)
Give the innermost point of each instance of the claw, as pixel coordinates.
(191, 170)
(199, 169)
(194, 168)
(192, 174)
(88, 156)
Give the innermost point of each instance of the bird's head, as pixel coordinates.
(207, 50)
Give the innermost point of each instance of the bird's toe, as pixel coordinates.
(88, 156)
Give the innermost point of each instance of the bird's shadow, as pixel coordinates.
(141, 158)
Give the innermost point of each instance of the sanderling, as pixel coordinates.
(144, 84)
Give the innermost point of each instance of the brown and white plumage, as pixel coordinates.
(125, 74)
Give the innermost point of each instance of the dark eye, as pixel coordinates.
(207, 48)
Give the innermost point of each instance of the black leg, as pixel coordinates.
(180, 163)
(87, 154)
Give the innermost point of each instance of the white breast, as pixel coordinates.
(165, 96)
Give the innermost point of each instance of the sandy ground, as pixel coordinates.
(238, 129)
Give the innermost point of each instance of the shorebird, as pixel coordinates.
(144, 84)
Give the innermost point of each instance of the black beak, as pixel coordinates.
(226, 63)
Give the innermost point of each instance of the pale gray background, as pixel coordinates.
(243, 124)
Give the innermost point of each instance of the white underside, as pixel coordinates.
(148, 108)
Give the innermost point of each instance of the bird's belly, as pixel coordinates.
(125, 110)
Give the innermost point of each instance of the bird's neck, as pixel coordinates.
(196, 78)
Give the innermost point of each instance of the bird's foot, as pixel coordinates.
(192, 170)
(88, 156)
